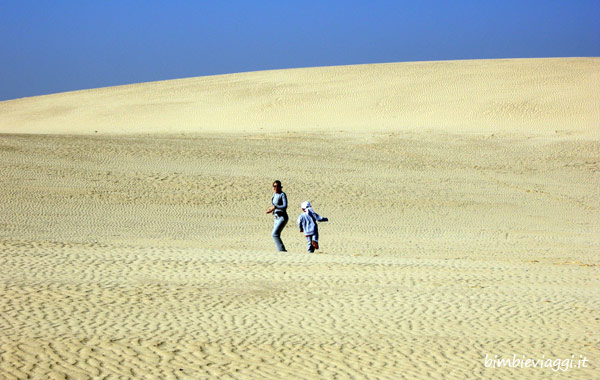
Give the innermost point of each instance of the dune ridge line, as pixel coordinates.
(548, 96)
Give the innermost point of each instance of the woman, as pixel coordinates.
(279, 201)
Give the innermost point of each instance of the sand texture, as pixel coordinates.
(523, 95)
(464, 210)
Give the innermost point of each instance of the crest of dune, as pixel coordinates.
(513, 95)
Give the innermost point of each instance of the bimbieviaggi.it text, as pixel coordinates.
(543, 362)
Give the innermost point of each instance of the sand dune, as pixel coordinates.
(464, 222)
(524, 95)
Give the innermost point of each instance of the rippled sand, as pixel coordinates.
(149, 255)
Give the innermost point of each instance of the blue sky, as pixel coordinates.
(56, 46)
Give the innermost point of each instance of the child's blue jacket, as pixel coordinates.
(307, 222)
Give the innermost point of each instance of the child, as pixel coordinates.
(307, 222)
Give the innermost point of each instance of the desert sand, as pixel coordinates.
(463, 199)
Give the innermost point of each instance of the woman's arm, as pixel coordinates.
(272, 208)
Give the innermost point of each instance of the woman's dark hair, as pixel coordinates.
(278, 182)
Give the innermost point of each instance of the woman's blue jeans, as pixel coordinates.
(278, 225)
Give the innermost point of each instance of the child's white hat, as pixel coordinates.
(305, 205)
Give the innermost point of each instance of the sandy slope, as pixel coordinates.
(526, 95)
(149, 256)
